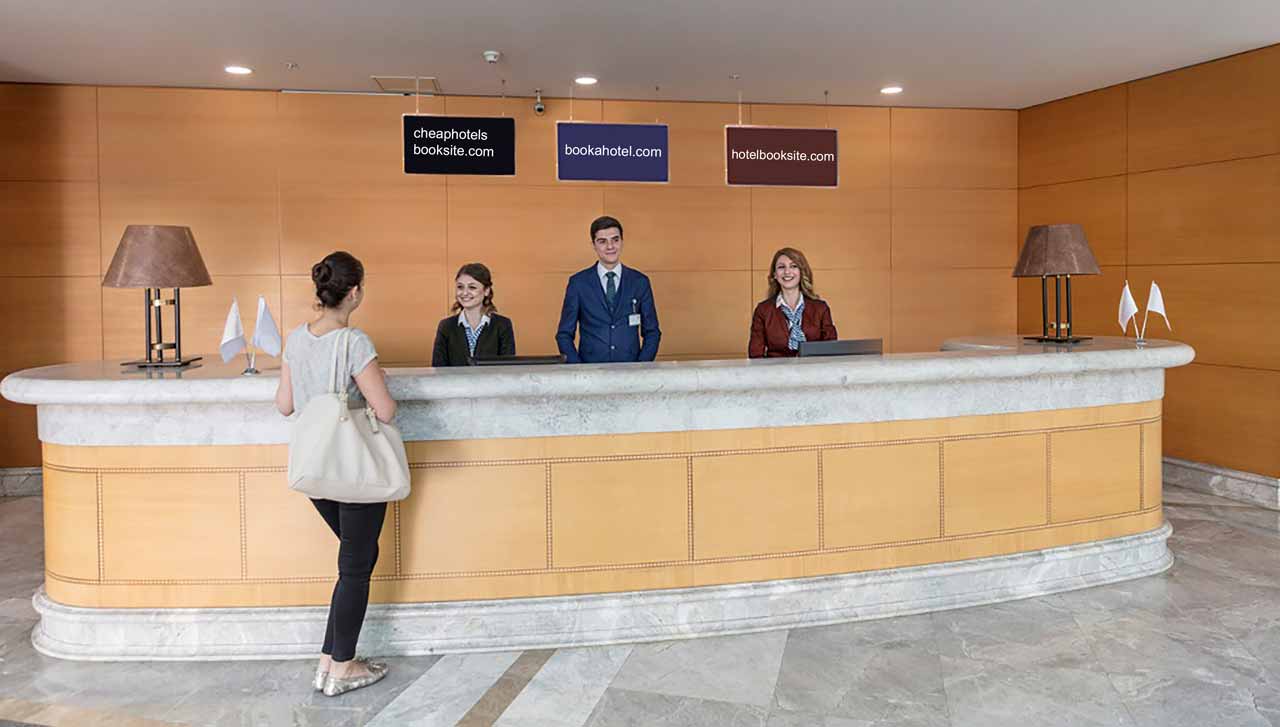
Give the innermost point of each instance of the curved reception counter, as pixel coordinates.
(590, 504)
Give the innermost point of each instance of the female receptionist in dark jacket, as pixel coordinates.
(477, 329)
(792, 312)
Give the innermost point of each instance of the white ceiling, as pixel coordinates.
(975, 53)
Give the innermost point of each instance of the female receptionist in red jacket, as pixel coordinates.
(792, 312)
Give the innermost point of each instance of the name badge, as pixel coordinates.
(633, 319)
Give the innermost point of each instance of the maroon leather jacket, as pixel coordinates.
(770, 329)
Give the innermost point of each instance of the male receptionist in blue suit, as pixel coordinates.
(611, 307)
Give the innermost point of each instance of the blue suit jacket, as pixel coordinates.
(604, 334)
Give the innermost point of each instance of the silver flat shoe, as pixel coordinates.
(333, 686)
(321, 675)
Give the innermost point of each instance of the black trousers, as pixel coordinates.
(357, 527)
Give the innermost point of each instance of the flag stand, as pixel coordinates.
(251, 358)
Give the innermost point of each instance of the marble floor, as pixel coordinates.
(1196, 646)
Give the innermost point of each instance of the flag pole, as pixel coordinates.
(250, 358)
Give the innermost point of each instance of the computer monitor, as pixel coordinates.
(517, 360)
(850, 347)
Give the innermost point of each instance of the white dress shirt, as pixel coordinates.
(604, 282)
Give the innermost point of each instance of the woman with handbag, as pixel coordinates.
(334, 369)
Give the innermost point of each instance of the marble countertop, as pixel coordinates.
(107, 383)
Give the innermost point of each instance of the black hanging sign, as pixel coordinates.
(459, 145)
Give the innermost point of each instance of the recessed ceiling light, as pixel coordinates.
(238, 70)
(890, 90)
(586, 80)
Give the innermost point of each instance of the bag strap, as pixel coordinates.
(338, 364)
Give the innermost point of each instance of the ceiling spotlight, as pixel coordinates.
(586, 80)
(238, 70)
(891, 90)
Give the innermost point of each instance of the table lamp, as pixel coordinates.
(1060, 251)
(152, 257)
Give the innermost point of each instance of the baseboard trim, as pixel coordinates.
(21, 481)
(1211, 479)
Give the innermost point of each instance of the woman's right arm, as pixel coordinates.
(755, 347)
(372, 383)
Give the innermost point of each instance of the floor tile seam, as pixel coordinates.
(1097, 659)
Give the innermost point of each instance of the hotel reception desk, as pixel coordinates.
(589, 504)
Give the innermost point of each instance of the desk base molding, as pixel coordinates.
(202, 634)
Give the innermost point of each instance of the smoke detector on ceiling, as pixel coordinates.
(492, 56)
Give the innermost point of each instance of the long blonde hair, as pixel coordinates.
(806, 274)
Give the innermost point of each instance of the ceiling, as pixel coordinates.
(952, 53)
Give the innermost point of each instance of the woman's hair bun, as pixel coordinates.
(321, 272)
(335, 276)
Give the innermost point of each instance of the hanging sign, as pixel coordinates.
(459, 145)
(780, 157)
(611, 152)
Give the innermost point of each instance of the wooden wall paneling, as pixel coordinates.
(391, 228)
(48, 133)
(617, 513)
(1224, 311)
(695, 135)
(934, 305)
(994, 484)
(1097, 205)
(532, 301)
(1224, 109)
(48, 228)
(954, 228)
(1223, 415)
(1096, 300)
(153, 135)
(51, 320)
(524, 229)
(399, 313)
(71, 523)
(1214, 213)
(204, 314)
(1095, 472)
(667, 228)
(859, 301)
(863, 137)
(835, 228)
(755, 504)
(21, 448)
(881, 494)
(703, 312)
(236, 224)
(1081, 137)
(152, 530)
(463, 519)
(535, 135)
(347, 139)
(955, 148)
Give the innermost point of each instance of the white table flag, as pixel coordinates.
(266, 336)
(1128, 309)
(232, 334)
(1155, 303)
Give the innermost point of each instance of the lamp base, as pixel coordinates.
(170, 364)
(1051, 339)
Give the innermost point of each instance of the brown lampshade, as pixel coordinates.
(1055, 250)
(157, 256)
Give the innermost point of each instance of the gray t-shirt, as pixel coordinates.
(309, 357)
